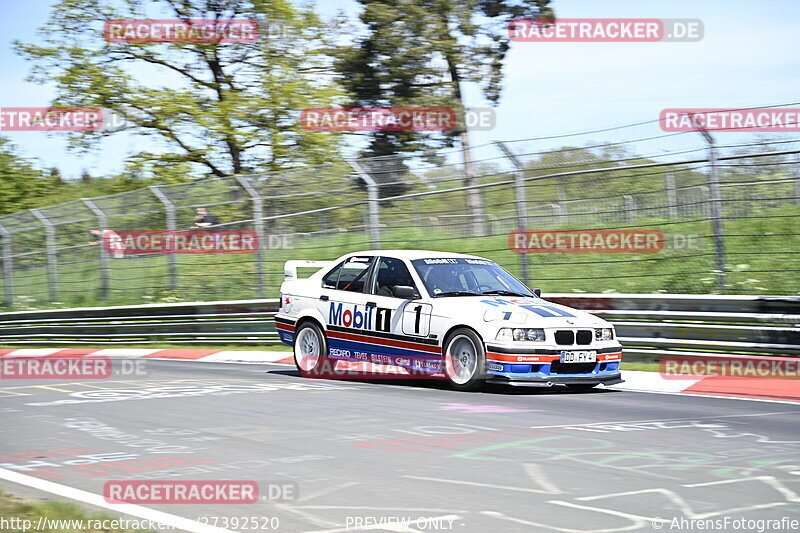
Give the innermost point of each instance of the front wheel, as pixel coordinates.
(310, 350)
(465, 360)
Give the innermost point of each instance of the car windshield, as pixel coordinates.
(458, 276)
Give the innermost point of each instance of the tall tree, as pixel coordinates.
(222, 108)
(421, 53)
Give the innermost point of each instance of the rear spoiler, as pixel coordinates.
(290, 267)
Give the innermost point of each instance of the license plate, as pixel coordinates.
(579, 357)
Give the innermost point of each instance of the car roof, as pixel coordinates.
(413, 254)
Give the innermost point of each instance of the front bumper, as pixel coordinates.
(549, 381)
(541, 367)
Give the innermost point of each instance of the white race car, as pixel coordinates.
(436, 313)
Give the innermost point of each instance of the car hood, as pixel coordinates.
(517, 311)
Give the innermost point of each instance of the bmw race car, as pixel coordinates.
(434, 313)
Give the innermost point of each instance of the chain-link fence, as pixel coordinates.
(727, 213)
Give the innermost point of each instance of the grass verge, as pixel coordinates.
(57, 517)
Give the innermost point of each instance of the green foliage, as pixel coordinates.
(218, 108)
(419, 53)
(20, 181)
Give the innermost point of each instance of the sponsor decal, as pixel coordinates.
(543, 310)
(586, 241)
(353, 317)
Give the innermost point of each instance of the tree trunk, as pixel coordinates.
(478, 224)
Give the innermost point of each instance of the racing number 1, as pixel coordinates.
(416, 318)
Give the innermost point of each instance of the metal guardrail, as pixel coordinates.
(648, 325)
(224, 322)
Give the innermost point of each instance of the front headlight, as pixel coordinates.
(603, 334)
(520, 334)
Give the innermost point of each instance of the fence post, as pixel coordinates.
(716, 215)
(169, 208)
(521, 202)
(258, 226)
(52, 258)
(630, 207)
(8, 268)
(672, 198)
(716, 203)
(105, 270)
(373, 204)
(797, 190)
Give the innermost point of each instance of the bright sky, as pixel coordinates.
(750, 56)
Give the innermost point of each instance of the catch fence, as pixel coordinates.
(726, 215)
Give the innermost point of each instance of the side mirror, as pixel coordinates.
(537, 292)
(405, 292)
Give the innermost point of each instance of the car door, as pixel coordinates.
(402, 325)
(342, 303)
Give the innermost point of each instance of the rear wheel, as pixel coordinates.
(465, 360)
(310, 350)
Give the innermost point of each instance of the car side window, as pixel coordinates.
(390, 274)
(330, 279)
(350, 275)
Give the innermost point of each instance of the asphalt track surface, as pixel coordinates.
(412, 456)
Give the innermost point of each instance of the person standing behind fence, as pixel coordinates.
(205, 219)
(111, 240)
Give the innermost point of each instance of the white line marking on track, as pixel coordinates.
(681, 503)
(713, 417)
(789, 494)
(637, 522)
(684, 394)
(177, 522)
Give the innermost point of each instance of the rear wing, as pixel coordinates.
(290, 267)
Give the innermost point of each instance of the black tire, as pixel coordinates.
(466, 370)
(310, 338)
(582, 387)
